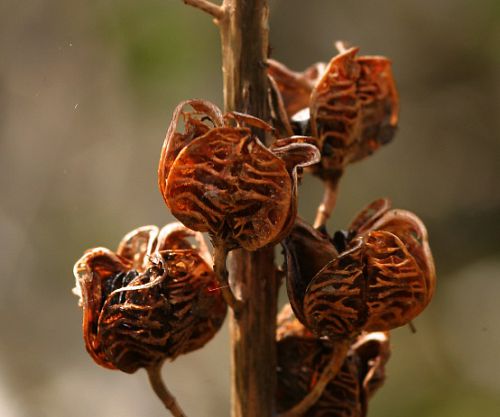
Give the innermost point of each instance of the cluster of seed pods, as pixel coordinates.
(159, 296)
(350, 106)
(377, 276)
(344, 291)
(153, 299)
(301, 358)
(217, 177)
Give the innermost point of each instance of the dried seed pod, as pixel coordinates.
(307, 251)
(197, 122)
(302, 357)
(374, 285)
(383, 279)
(379, 99)
(295, 87)
(407, 227)
(154, 299)
(354, 110)
(350, 107)
(412, 232)
(222, 180)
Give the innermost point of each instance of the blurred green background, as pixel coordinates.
(87, 89)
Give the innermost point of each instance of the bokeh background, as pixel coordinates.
(87, 89)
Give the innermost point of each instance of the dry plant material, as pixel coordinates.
(350, 106)
(374, 351)
(217, 177)
(152, 300)
(307, 251)
(217, 12)
(382, 278)
(302, 358)
(158, 296)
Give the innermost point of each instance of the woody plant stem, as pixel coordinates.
(253, 283)
(244, 35)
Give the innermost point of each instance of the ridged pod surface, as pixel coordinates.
(295, 87)
(302, 357)
(350, 106)
(383, 277)
(378, 215)
(152, 300)
(307, 251)
(222, 180)
(375, 285)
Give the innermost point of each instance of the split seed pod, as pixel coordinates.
(383, 277)
(302, 358)
(152, 300)
(350, 105)
(217, 177)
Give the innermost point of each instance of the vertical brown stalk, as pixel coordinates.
(245, 43)
(253, 375)
(244, 33)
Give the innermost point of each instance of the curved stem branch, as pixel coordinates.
(160, 389)
(220, 269)
(412, 327)
(208, 7)
(328, 204)
(329, 372)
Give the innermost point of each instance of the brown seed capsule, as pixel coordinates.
(354, 109)
(307, 251)
(295, 87)
(154, 299)
(407, 227)
(412, 232)
(350, 105)
(302, 357)
(217, 177)
(375, 284)
(382, 279)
